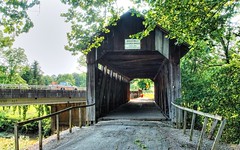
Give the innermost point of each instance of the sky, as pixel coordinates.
(45, 41)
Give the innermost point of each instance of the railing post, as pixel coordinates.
(220, 130)
(40, 134)
(180, 117)
(80, 117)
(57, 120)
(177, 117)
(16, 136)
(184, 121)
(192, 126)
(202, 133)
(214, 124)
(70, 121)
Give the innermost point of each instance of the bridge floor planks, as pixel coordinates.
(137, 109)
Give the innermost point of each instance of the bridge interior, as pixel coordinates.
(137, 109)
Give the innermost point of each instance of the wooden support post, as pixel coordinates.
(40, 134)
(184, 122)
(219, 134)
(192, 126)
(214, 125)
(16, 136)
(180, 118)
(202, 133)
(80, 117)
(91, 86)
(109, 90)
(102, 89)
(70, 121)
(58, 132)
(177, 117)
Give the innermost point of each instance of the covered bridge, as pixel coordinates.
(120, 59)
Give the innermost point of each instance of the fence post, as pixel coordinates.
(177, 117)
(192, 126)
(70, 121)
(220, 130)
(80, 117)
(57, 120)
(40, 134)
(214, 124)
(184, 121)
(16, 136)
(202, 133)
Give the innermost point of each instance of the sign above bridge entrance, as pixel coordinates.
(132, 44)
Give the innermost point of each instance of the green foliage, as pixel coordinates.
(14, 19)
(88, 19)
(6, 124)
(12, 61)
(80, 79)
(66, 78)
(213, 89)
(143, 84)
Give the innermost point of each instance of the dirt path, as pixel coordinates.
(123, 135)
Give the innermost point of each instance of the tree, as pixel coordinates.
(13, 60)
(36, 74)
(80, 79)
(66, 78)
(47, 80)
(26, 74)
(14, 19)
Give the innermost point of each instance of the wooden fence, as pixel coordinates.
(182, 112)
(39, 119)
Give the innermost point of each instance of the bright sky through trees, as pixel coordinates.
(45, 41)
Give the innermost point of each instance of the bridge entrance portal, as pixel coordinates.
(120, 59)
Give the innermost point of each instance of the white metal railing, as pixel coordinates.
(35, 87)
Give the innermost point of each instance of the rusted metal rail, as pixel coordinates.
(39, 119)
(182, 112)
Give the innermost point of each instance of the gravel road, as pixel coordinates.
(124, 135)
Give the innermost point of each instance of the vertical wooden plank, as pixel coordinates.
(109, 90)
(40, 134)
(58, 131)
(16, 136)
(202, 133)
(79, 117)
(70, 121)
(102, 89)
(184, 121)
(192, 126)
(214, 125)
(219, 134)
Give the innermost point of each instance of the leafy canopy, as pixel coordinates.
(14, 19)
(188, 21)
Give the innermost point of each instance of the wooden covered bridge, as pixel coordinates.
(120, 59)
(111, 67)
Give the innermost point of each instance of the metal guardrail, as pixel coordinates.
(35, 87)
(16, 125)
(183, 111)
